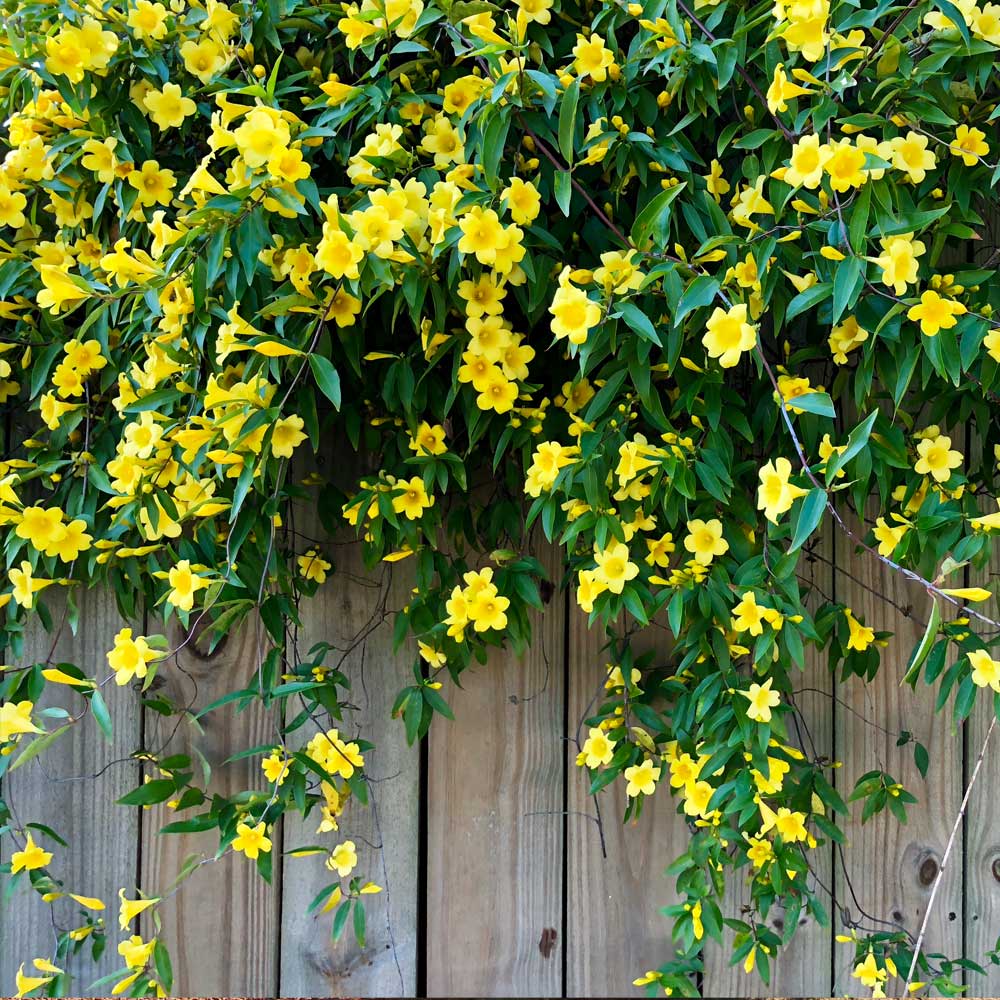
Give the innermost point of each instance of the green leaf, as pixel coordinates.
(809, 517)
(359, 923)
(37, 745)
(164, 969)
(701, 292)
(856, 440)
(157, 790)
(809, 298)
(567, 120)
(340, 919)
(847, 282)
(638, 321)
(563, 190)
(923, 648)
(326, 378)
(102, 716)
(814, 402)
(653, 221)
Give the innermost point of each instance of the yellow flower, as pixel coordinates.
(911, 155)
(61, 291)
(136, 952)
(985, 670)
(704, 540)
(275, 767)
(936, 458)
(846, 337)
(204, 59)
(589, 588)
(791, 825)
(845, 165)
(597, 749)
(30, 858)
(26, 585)
(935, 313)
(641, 778)
(592, 57)
(776, 494)
(717, 184)
(729, 335)
(262, 134)
(860, 636)
(762, 699)
(184, 584)
(337, 254)
(129, 909)
(12, 205)
(482, 234)
(899, 261)
(154, 184)
(313, 566)
(430, 655)
(428, 439)
(760, 851)
(168, 107)
(806, 163)
(343, 858)
(614, 568)
(574, 315)
(869, 973)
(523, 200)
(251, 840)
(27, 984)
(889, 536)
(287, 436)
(130, 657)
(41, 526)
(782, 90)
(697, 795)
(412, 500)
(969, 144)
(148, 20)
(748, 615)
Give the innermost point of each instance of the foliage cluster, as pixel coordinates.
(662, 281)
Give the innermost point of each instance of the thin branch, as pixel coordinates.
(947, 854)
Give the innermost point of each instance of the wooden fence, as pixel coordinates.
(496, 881)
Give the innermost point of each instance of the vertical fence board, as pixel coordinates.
(615, 931)
(982, 889)
(890, 866)
(803, 968)
(222, 925)
(349, 612)
(59, 789)
(495, 840)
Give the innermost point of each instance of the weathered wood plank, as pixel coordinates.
(59, 789)
(222, 927)
(981, 916)
(495, 825)
(803, 968)
(891, 867)
(615, 930)
(349, 611)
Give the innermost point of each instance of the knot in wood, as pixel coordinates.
(928, 871)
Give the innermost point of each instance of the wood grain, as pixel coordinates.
(222, 927)
(890, 866)
(349, 612)
(623, 892)
(803, 968)
(981, 917)
(495, 825)
(59, 790)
